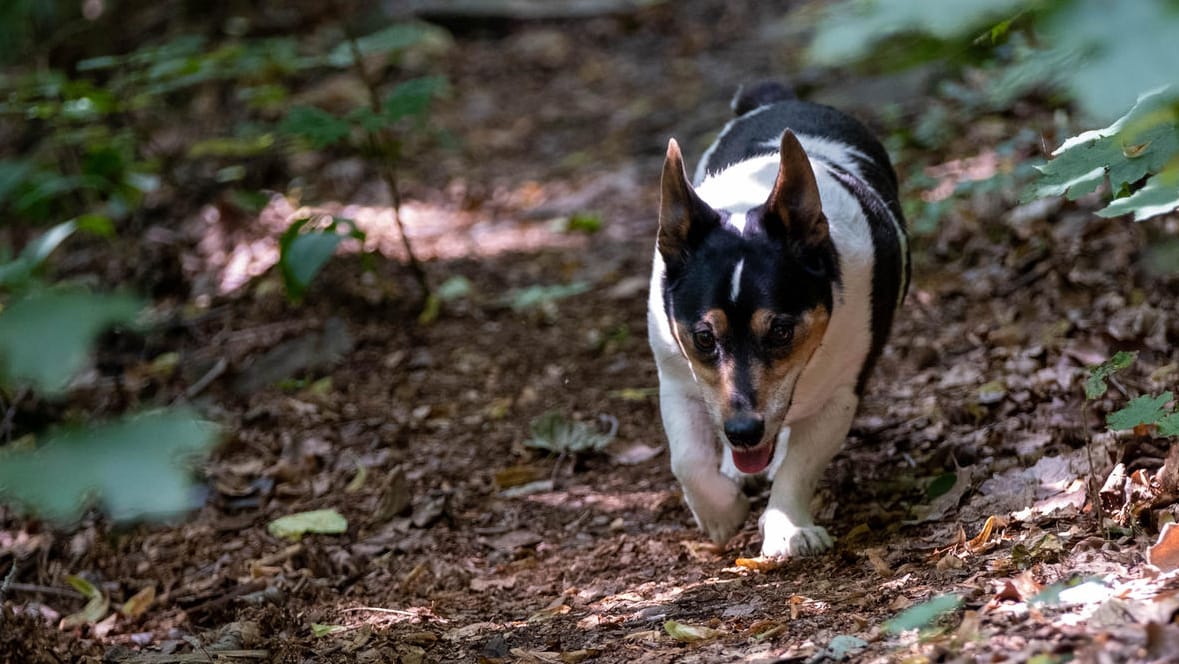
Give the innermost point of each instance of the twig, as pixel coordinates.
(5, 585)
(44, 590)
(211, 375)
(388, 166)
(1094, 486)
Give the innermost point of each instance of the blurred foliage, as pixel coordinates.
(304, 249)
(1103, 56)
(923, 616)
(133, 468)
(91, 139)
(130, 467)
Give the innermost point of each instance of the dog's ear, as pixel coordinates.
(684, 219)
(794, 200)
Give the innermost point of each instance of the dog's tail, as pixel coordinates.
(758, 95)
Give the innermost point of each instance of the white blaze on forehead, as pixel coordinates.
(735, 284)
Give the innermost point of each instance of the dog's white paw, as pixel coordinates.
(720, 519)
(782, 539)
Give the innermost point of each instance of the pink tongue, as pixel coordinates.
(753, 460)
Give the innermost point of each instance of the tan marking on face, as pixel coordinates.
(808, 335)
(769, 376)
(719, 321)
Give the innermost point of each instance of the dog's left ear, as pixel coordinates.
(794, 200)
(684, 219)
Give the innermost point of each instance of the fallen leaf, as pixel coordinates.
(992, 392)
(635, 454)
(139, 602)
(320, 630)
(95, 608)
(1165, 552)
(554, 609)
(539, 486)
(514, 476)
(509, 542)
(543, 656)
(704, 551)
(760, 563)
(689, 633)
(358, 480)
(982, 540)
(878, 563)
(483, 583)
(1019, 588)
(294, 526)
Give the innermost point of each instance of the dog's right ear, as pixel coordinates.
(684, 219)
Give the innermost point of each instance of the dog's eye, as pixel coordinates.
(814, 264)
(705, 341)
(781, 333)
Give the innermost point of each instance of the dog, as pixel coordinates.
(777, 273)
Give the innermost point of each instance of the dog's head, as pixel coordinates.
(748, 302)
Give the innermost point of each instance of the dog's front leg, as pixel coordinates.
(787, 526)
(716, 501)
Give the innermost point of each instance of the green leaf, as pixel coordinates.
(1160, 195)
(397, 37)
(133, 468)
(543, 297)
(689, 633)
(850, 30)
(1141, 410)
(96, 224)
(294, 526)
(95, 609)
(1095, 384)
(13, 174)
(941, 485)
(1138, 144)
(45, 337)
(553, 432)
(924, 614)
(320, 630)
(454, 288)
(35, 253)
(1119, 54)
(412, 98)
(1169, 426)
(318, 126)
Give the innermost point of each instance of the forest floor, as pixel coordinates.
(970, 471)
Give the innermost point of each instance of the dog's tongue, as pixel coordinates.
(752, 460)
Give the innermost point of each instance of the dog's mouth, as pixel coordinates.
(753, 460)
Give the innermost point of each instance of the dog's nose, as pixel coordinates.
(744, 430)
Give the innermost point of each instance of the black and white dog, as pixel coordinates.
(777, 273)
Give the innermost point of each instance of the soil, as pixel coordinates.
(466, 544)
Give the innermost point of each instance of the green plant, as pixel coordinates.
(1105, 58)
(304, 249)
(1141, 411)
(554, 432)
(132, 466)
(382, 129)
